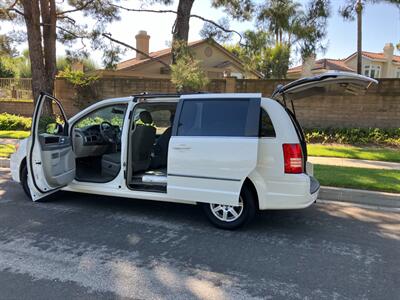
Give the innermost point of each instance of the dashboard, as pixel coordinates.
(90, 134)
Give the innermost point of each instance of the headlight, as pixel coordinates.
(16, 147)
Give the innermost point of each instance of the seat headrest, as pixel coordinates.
(145, 117)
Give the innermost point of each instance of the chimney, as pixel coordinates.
(388, 51)
(308, 65)
(142, 44)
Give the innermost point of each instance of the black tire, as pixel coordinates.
(24, 181)
(247, 214)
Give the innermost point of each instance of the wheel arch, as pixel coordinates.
(21, 166)
(250, 185)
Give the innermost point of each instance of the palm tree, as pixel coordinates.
(278, 14)
(353, 9)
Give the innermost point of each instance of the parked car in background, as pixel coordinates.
(233, 154)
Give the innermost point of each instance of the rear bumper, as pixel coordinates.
(314, 185)
(298, 192)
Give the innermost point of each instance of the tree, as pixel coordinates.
(353, 9)
(6, 47)
(279, 15)
(292, 26)
(258, 53)
(236, 9)
(45, 21)
(295, 25)
(186, 73)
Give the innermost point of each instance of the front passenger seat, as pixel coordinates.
(142, 141)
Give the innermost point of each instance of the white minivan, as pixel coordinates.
(233, 154)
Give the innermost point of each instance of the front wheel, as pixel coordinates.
(232, 217)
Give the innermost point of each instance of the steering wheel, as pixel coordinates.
(108, 132)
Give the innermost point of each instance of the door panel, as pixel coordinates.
(213, 148)
(210, 169)
(51, 161)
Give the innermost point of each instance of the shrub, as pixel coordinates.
(187, 74)
(14, 122)
(356, 136)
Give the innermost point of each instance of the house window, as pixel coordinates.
(398, 73)
(366, 70)
(372, 71)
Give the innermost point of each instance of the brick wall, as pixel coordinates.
(379, 107)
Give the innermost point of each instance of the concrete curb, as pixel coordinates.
(381, 199)
(4, 162)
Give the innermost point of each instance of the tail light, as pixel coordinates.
(293, 158)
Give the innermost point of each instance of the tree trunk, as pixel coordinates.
(32, 21)
(359, 36)
(180, 33)
(48, 10)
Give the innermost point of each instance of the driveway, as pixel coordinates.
(92, 247)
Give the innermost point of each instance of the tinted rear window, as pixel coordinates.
(266, 126)
(215, 118)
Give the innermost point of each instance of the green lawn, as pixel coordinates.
(6, 150)
(14, 134)
(345, 151)
(358, 178)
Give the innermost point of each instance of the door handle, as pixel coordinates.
(182, 147)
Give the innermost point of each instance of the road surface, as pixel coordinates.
(94, 247)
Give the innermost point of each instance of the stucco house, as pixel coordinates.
(374, 64)
(216, 61)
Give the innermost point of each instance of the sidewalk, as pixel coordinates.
(356, 163)
(4, 141)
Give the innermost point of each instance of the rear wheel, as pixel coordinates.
(24, 181)
(232, 217)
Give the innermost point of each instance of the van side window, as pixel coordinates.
(266, 127)
(214, 117)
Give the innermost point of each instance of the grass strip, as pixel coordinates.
(358, 178)
(344, 151)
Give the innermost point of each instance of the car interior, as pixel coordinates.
(96, 140)
(149, 136)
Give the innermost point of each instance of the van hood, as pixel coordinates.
(347, 83)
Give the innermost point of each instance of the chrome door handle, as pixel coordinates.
(182, 147)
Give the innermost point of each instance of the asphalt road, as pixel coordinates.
(91, 247)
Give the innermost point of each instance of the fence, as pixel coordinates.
(15, 89)
(379, 107)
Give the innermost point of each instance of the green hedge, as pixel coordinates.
(355, 136)
(14, 122)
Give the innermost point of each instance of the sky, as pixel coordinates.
(381, 24)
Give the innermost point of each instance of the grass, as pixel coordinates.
(345, 151)
(6, 150)
(14, 134)
(358, 178)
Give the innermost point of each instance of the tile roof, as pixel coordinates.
(325, 63)
(380, 55)
(155, 54)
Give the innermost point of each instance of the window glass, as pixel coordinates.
(51, 120)
(214, 118)
(266, 126)
(113, 114)
(162, 115)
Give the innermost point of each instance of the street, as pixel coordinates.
(94, 247)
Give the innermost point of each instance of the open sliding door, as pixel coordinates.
(213, 147)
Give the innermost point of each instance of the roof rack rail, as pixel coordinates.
(162, 95)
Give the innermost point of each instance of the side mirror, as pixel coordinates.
(59, 129)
